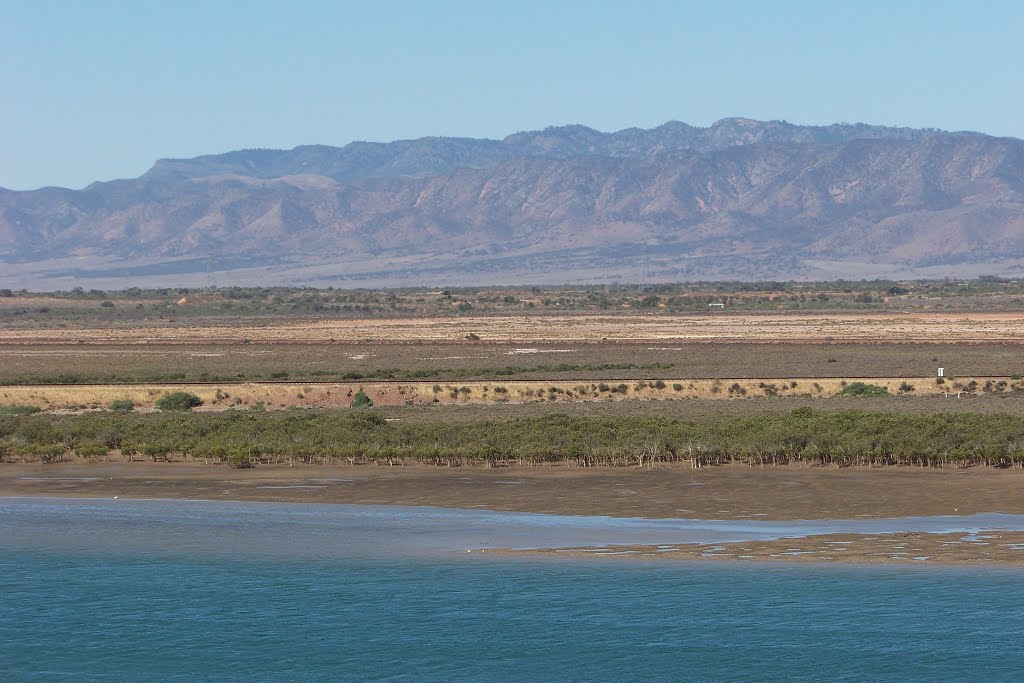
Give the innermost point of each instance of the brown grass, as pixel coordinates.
(323, 395)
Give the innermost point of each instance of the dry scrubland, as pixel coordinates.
(493, 360)
(501, 359)
(226, 396)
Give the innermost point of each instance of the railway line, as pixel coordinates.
(479, 379)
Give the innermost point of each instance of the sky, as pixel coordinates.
(99, 90)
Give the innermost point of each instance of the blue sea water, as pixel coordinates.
(175, 591)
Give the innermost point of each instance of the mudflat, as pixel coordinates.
(995, 548)
(665, 491)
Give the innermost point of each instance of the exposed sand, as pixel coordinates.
(228, 395)
(920, 327)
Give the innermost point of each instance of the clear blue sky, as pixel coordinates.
(100, 89)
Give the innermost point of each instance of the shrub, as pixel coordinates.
(863, 389)
(659, 384)
(473, 336)
(361, 400)
(1015, 376)
(906, 388)
(258, 407)
(18, 410)
(179, 400)
(122, 405)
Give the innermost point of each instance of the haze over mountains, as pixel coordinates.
(740, 199)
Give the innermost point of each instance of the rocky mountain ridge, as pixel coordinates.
(740, 199)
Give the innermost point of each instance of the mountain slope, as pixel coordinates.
(740, 199)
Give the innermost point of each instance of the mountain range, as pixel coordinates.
(740, 199)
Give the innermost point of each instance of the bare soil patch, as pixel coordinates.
(666, 491)
(920, 327)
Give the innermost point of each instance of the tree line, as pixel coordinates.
(365, 436)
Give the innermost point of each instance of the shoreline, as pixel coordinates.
(988, 547)
(731, 493)
(665, 491)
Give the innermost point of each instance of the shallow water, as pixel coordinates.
(171, 590)
(292, 530)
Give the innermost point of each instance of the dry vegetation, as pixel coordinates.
(281, 395)
(238, 305)
(492, 360)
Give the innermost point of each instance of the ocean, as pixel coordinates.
(99, 590)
